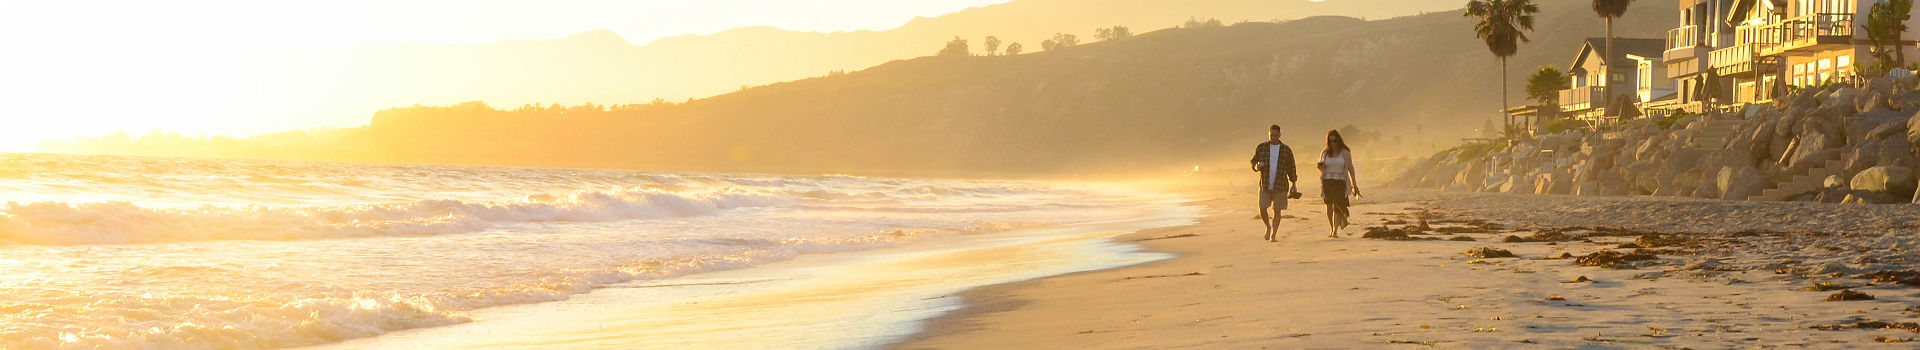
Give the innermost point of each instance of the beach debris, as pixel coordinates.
(1461, 239)
(1657, 332)
(1906, 277)
(1557, 298)
(1907, 326)
(1613, 259)
(1827, 286)
(1490, 252)
(1162, 276)
(1655, 240)
(1485, 329)
(1885, 339)
(1628, 245)
(1564, 255)
(1849, 295)
(1581, 279)
(1419, 342)
(1383, 232)
(1477, 261)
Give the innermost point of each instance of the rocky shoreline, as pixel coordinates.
(1838, 143)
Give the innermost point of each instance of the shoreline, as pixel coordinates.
(1227, 288)
(855, 299)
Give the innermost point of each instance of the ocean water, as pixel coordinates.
(136, 252)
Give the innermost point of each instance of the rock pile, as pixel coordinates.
(1840, 143)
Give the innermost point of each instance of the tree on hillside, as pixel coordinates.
(1197, 23)
(957, 47)
(1609, 10)
(1059, 41)
(1502, 24)
(1112, 33)
(1885, 22)
(993, 45)
(1544, 87)
(1013, 49)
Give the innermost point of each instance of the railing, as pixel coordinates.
(1806, 31)
(1731, 56)
(1580, 97)
(1684, 36)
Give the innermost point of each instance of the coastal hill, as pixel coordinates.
(1160, 100)
(601, 66)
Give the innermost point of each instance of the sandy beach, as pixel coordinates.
(1714, 274)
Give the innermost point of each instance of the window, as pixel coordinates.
(1799, 75)
(1825, 69)
(1843, 65)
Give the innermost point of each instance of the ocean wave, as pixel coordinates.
(56, 223)
(147, 319)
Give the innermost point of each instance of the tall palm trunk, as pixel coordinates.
(1606, 77)
(1503, 98)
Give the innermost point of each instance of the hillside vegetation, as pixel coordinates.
(1160, 100)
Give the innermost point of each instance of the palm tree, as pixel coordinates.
(1609, 10)
(1502, 24)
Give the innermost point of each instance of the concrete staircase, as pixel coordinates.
(1715, 134)
(1803, 183)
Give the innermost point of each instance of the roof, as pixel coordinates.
(1742, 8)
(1628, 46)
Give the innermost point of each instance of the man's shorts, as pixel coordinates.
(1275, 198)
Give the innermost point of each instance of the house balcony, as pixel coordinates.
(1687, 36)
(1732, 59)
(1580, 98)
(1686, 67)
(1808, 34)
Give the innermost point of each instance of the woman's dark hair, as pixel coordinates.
(1334, 138)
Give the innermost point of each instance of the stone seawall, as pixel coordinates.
(1839, 143)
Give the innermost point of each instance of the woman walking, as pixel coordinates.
(1337, 180)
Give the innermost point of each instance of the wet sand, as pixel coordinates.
(1712, 284)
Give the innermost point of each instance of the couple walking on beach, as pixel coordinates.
(1278, 180)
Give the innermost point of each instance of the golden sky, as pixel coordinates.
(72, 68)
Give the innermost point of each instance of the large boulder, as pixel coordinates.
(1554, 183)
(1861, 127)
(1810, 143)
(1613, 183)
(1892, 180)
(1645, 177)
(1474, 176)
(1866, 197)
(1739, 183)
(1875, 97)
(1646, 149)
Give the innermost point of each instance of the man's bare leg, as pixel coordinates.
(1264, 223)
(1274, 227)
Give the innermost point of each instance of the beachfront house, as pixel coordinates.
(1652, 90)
(1590, 74)
(1730, 52)
(1755, 75)
(1688, 50)
(1822, 40)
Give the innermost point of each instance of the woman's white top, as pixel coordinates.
(1337, 166)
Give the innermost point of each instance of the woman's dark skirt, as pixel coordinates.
(1334, 192)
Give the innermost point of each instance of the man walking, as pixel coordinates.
(1273, 160)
